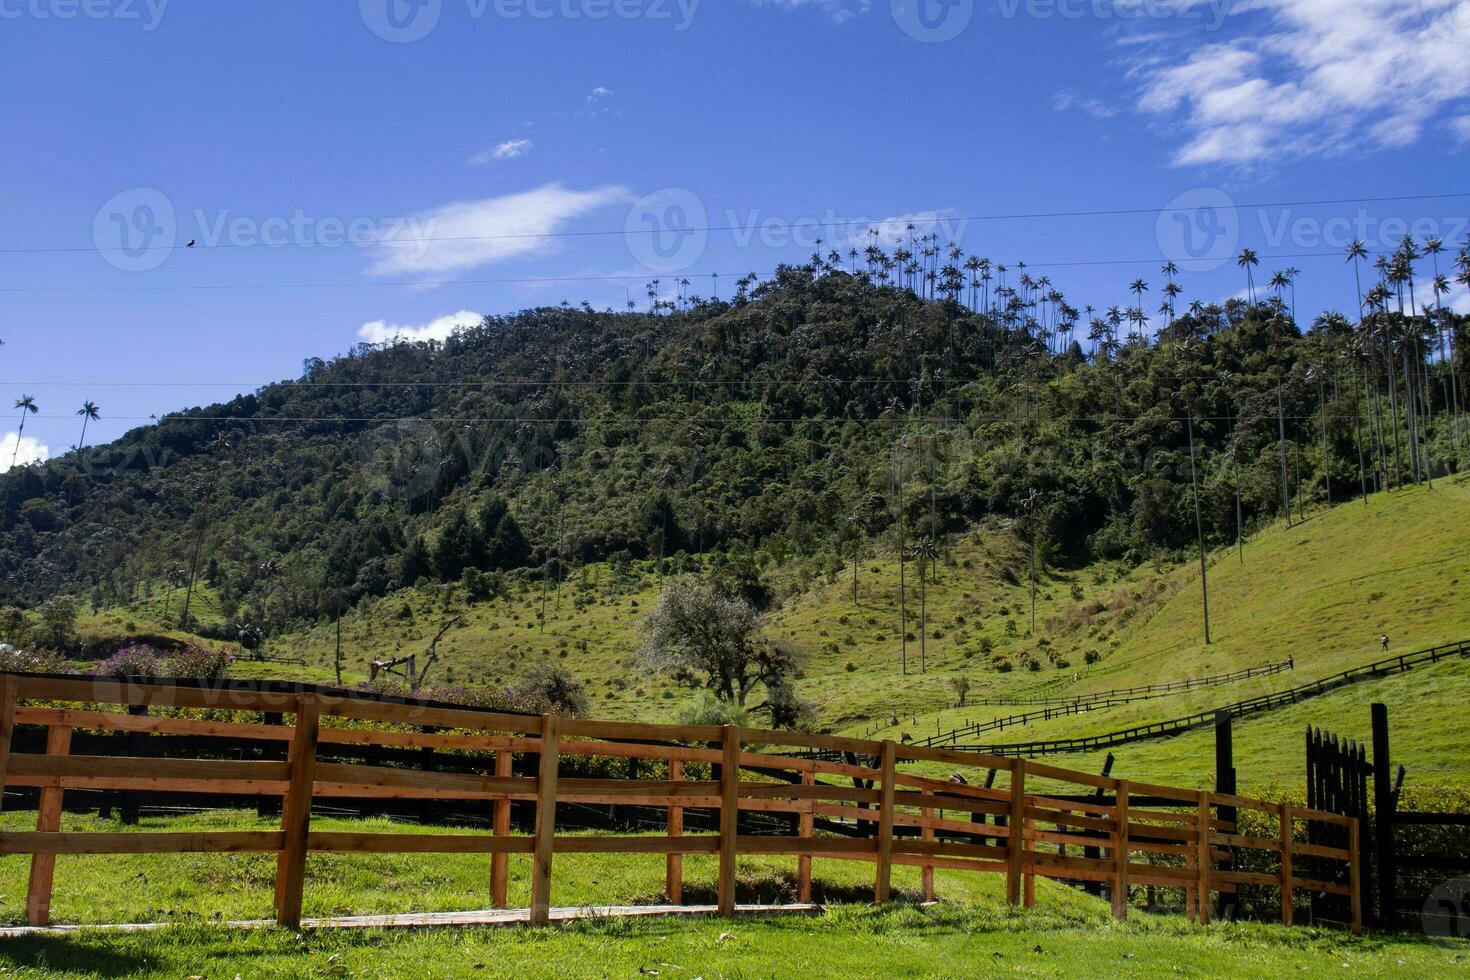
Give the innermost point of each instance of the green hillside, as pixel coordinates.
(1327, 588)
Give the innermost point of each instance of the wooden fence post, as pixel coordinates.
(48, 820)
(883, 886)
(674, 865)
(729, 816)
(545, 821)
(1015, 842)
(1355, 870)
(1120, 854)
(806, 823)
(7, 727)
(1204, 859)
(296, 814)
(1385, 874)
(927, 835)
(1287, 879)
(1225, 783)
(500, 862)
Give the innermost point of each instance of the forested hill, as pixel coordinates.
(770, 427)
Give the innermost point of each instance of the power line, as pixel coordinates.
(800, 223)
(557, 280)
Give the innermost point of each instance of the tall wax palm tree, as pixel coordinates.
(925, 551)
(1199, 530)
(27, 406)
(1247, 260)
(1138, 287)
(1028, 504)
(89, 413)
(1356, 252)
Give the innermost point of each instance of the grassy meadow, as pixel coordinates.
(969, 931)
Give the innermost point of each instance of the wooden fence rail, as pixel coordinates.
(1035, 823)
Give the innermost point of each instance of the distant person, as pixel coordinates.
(1384, 641)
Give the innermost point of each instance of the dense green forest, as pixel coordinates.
(830, 409)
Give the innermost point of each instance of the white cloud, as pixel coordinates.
(381, 331)
(31, 451)
(469, 234)
(509, 150)
(600, 92)
(894, 231)
(1068, 99)
(1460, 126)
(1313, 77)
(840, 11)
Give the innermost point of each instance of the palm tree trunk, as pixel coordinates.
(1358, 417)
(1281, 442)
(1396, 474)
(1326, 462)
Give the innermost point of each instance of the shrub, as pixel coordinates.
(31, 662)
(1092, 656)
(144, 663)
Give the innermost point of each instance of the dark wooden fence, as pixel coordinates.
(1146, 691)
(1414, 852)
(1239, 709)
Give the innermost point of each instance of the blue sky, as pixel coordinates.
(447, 138)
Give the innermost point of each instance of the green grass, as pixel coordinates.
(1322, 591)
(970, 931)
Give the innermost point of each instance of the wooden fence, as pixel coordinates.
(1040, 817)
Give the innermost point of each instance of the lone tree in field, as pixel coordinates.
(703, 639)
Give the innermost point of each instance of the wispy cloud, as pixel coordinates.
(381, 331)
(1068, 100)
(470, 234)
(509, 150)
(31, 451)
(1313, 77)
